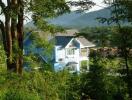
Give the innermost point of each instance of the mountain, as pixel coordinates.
(78, 20)
(81, 20)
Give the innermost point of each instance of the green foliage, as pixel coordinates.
(42, 10)
(84, 65)
(82, 5)
(73, 87)
(95, 83)
(43, 85)
(44, 48)
(49, 8)
(34, 61)
(101, 84)
(99, 35)
(108, 36)
(117, 37)
(120, 11)
(2, 57)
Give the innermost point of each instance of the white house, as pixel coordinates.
(70, 52)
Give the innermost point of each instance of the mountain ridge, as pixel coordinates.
(78, 20)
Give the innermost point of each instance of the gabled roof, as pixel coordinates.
(63, 39)
(85, 42)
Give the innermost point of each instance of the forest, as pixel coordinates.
(110, 65)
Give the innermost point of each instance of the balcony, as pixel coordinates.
(84, 54)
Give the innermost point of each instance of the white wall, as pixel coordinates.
(60, 53)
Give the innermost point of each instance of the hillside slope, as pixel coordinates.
(81, 20)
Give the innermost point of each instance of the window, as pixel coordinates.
(70, 51)
(61, 59)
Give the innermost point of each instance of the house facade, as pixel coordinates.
(71, 53)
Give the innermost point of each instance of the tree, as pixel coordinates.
(121, 12)
(2, 56)
(12, 27)
(100, 35)
(82, 5)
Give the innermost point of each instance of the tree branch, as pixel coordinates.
(1, 26)
(2, 4)
(83, 4)
(8, 2)
(5, 8)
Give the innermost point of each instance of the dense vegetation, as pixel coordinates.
(104, 81)
(110, 73)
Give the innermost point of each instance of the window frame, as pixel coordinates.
(70, 51)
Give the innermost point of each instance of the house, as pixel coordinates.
(71, 52)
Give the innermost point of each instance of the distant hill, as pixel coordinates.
(76, 20)
(81, 20)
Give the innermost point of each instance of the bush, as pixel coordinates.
(2, 57)
(33, 86)
(84, 65)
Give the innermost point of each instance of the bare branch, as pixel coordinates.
(2, 5)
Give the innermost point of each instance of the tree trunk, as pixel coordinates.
(12, 33)
(10, 66)
(14, 36)
(2, 28)
(20, 34)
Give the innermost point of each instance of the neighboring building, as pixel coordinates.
(71, 52)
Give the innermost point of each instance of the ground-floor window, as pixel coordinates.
(72, 67)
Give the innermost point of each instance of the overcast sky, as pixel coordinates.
(99, 5)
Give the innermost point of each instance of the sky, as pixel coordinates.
(99, 5)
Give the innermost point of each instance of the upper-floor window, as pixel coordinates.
(70, 51)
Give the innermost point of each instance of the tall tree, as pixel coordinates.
(12, 27)
(120, 14)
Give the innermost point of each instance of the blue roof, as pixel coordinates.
(30, 48)
(62, 40)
